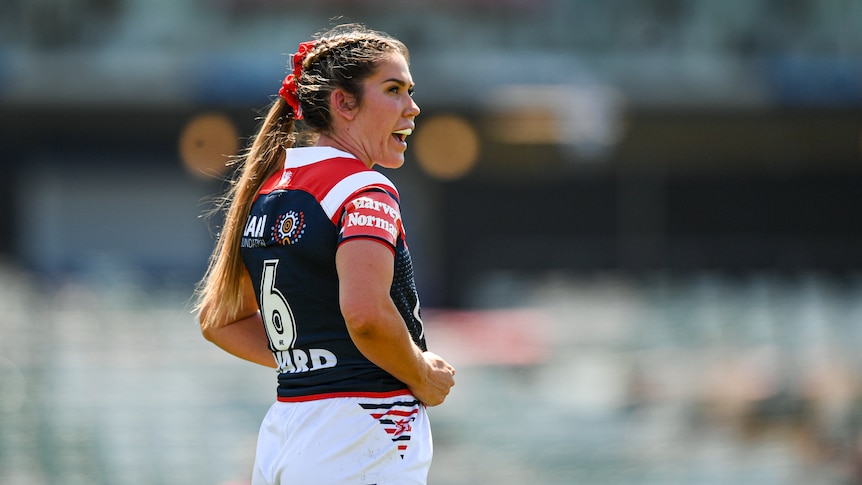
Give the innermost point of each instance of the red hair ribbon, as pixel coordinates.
(288, 87)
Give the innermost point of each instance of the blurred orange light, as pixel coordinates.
(206, 143)
(447, 146)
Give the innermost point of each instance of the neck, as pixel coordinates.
(345, 146)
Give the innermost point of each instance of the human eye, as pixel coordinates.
(398, 88)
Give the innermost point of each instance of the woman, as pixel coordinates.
(312, 275)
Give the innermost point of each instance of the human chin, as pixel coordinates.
(392, 157)
(392, 161)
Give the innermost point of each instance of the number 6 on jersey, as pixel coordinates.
(275, 311)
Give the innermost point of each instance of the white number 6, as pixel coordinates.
(276, 313)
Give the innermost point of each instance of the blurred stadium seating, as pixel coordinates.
(660, 202)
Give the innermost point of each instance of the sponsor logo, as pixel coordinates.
(362, 220)
(376, 205)
(253, 242)
(254, 227)
(252, 236)
(289, 228)
(372, 216)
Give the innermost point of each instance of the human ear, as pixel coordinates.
(343, 103)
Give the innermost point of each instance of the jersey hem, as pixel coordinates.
(332, 395)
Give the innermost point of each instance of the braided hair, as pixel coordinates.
(342, 58)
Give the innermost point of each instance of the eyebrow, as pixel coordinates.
(400, 82)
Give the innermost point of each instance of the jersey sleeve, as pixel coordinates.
(371, 215)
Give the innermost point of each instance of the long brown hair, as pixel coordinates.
(341, 58)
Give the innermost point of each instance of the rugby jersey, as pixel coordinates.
(322, 198)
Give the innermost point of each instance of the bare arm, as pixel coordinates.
(365, 271)
(244, 335)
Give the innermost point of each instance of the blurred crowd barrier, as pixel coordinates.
(603, 379)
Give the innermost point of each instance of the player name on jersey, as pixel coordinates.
(295, 361)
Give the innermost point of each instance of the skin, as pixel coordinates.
(242, 335)
(387, 106)
(365, 268)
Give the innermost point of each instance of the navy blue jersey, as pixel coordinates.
(320, 199)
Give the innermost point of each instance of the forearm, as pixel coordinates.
(244, 338)
(377, 328)
(386, 342)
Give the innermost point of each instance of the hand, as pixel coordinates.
(439, 379)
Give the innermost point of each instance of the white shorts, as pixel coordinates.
(344, 441)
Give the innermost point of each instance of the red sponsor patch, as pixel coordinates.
(372, 214)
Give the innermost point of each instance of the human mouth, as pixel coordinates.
(401, 135)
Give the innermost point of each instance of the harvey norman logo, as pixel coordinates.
(363, 216)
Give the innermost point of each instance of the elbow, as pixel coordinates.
(362, 320)
(208, 332)
(207, 328)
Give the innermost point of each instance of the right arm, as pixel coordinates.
(365, 271)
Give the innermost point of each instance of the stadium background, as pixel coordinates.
(636, 226)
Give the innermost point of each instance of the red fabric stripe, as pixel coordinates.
(330, 395)
(316, 178)
(402, 413)
(395, 412)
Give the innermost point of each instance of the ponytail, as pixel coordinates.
(220, 291)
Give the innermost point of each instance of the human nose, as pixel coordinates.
(413, 109)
